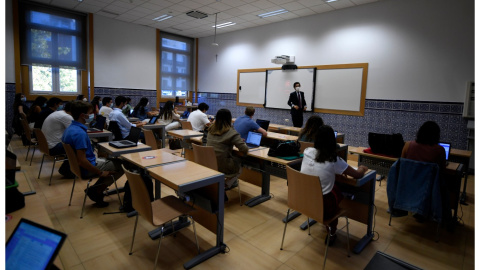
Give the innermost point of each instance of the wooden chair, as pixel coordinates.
(31, 141)
(186, 125)
(75, 168)
(305, 196)
(150, 139)
(158, 212)
(304, 145)
(205, 156)
(43, 147)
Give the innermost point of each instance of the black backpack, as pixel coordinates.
(284, 149)
(386, 144)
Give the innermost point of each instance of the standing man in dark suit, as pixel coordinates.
(297, 104)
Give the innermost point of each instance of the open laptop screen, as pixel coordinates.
(447, 148)
(254, 138)
(153, 120)
(32, 246)
(263, 123)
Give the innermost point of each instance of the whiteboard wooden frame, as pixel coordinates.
(361, 111)
(264, 70)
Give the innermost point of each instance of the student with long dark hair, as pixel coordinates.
(142, 111)
(222, 136)
(37, 106)
(322, 161)
(170, 117)
(19, 112)
(309, 132)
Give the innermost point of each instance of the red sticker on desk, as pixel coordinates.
(148, 157)
(8, 217)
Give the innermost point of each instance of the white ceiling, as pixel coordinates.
(242, 12)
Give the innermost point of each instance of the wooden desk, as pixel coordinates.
(104, 133)
(133, 119)
(186, 177)
(281, 137)
(160, 128)
(184, 134)
(462, 157)
(115, 152)
(152, 158)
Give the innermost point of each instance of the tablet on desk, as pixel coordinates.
(32, 246)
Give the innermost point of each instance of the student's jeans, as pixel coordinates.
(65, 167)
(112, 165)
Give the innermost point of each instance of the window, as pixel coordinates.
(53, 46)
(176, 69)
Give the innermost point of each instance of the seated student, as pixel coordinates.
(426, 148)
(53, 129)
(117, 115)
(106, 108)
(38, 104)
(168, 116)
(322, 161)
(142, 111)
(19, 112)
(199, 118)
(96, 106)
(309, 132)
(245, 123)
(82, 97)
(127, 108)
(76, 136)
(52, 105)
(222, 136)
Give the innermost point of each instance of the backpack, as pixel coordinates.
(284, 149)
(386, 144)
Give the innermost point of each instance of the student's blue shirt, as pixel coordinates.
(141, 116)
(244, 124)
(76, 135)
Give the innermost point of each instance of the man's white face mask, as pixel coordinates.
(297, 88)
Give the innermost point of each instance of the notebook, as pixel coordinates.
(99, 125)
(152, 121)
(130, 140)
(32, 246)
(263, 124)
(253, 139)
(447, 147)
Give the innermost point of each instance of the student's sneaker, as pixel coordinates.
(101, 204)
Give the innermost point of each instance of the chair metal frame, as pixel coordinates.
(43, 147)
(305, 195)
(75, 167)
(31, 141)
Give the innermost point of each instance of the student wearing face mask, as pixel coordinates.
(52, 106)
(107, 108)
(142, 110)
(297, 104)
(76, 136)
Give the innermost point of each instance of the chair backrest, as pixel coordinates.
(72, 159)
(42, 141)
(26, 129)
(205, 156)
(115, 129)
(304, 145)
(186, 125)
(150, 139)
(140, 198)
(305, 194)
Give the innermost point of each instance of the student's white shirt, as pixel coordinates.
(324, 170)
(168, 121)
(198, 120)
(105, 112)
(54, 126)
(123, 123)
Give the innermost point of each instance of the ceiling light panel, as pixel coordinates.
(272, 13)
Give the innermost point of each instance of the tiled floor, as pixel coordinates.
(253, 235)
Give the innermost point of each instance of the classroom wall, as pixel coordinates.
(416, 49)
(9, 53)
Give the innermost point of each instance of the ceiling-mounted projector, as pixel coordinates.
(287, 61)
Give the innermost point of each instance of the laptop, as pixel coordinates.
(253, 139)
(32, 246)
(263, 124)
(447, 147)
(152, 121)
(130, 141)
(99, 125)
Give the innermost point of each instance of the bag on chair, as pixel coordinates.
(174, 144)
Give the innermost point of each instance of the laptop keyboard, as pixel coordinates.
(125, 142)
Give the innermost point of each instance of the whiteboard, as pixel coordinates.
(339, 89)
(251, 87)
(280, 85)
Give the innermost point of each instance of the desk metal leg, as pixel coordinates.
(293, 215)
(305, 225)
(265, 196)
(463, 197)
(369, 236)
(157, 191)
(220, 246)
